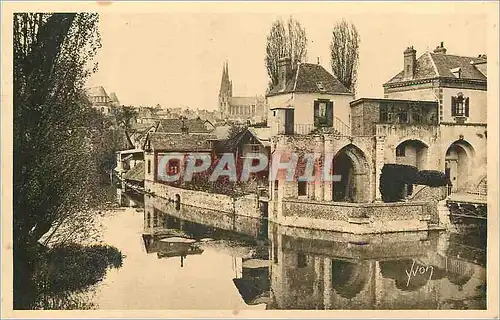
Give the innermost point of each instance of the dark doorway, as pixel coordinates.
(289, 121)
(343, 190)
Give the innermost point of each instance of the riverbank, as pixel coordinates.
(59, 273)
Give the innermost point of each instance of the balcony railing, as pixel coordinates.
(339, 128)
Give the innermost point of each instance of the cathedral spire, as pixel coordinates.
(225, 85)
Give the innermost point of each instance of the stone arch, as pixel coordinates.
(459, 158)
(413, 152)
(351, 165)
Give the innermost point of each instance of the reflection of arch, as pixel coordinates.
(351, 164)
(412, 152)
(348, 278)
(458, 280)
(459, 157)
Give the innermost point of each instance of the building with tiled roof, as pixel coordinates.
(306, 98)
(241, 109)
(167, 142)
(310, 78)
(458, 85)
(183, 125)
(100, 100)
(114, 99)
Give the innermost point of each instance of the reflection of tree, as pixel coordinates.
(396, 270)
(64, 274)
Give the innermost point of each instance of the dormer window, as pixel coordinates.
(460, 105)
(456, 72)
(320, 86)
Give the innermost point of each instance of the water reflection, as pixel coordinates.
(311, 269)
(320, 270)
(209, 260)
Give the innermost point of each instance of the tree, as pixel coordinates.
(125, 116)
(344, 53)
(289, 41)
(55, 142)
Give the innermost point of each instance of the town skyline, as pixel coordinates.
(212, 39)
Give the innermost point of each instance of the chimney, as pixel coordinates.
(440, 49)
(410, 62)
(284, 71)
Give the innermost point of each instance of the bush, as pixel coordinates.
(393, 179)
(432, 178)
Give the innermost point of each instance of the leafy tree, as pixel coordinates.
(125, 116)
(57, 149)
(344, 53)
(284, 41)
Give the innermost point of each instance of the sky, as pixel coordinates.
(174, 57)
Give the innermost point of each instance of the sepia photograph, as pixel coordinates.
(245, 157)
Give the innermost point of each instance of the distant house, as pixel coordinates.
(161, 144)
(241, 145)
(308, 98)
(138, 132)
(100, 100)
(177, 126)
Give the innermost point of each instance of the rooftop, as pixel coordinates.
(432, 65)
(97, 92)
(136, 173)
(176, 125)
(311, 78)
(242, 101)
(357, 101)
(180, 142)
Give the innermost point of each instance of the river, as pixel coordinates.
(188, 258)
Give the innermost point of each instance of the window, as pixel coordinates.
(149, 166)
(173, 166)
(276, 184)
(320, 86)
(400, 150)
(456, 72)
(383, 113)
(255, 148)
(301, 260)
(460, 106)
(402, 116)
(302, 188)
(323, 113)
(253, 109)
(155, 219)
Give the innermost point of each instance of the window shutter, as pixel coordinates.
(316, 113)
(453, 106)
(467, 106)
(329, 113)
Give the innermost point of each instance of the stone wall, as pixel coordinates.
(206, 200)
(247, 205)
(357, 218)
(320, 210)
(431, 196)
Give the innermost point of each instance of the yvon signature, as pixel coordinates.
(416, 269)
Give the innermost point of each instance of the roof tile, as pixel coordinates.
(305, 79)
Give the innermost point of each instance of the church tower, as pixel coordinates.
(225, 92)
